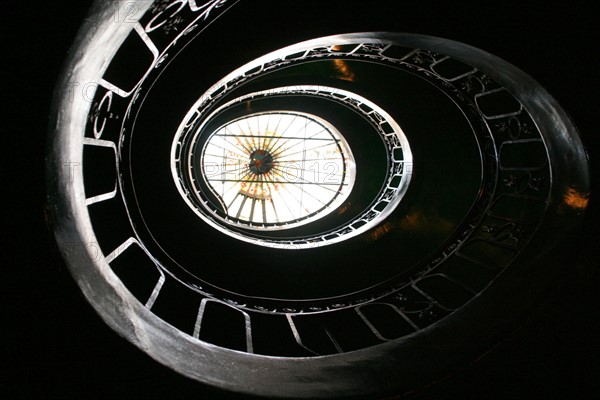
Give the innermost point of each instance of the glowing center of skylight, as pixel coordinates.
(277, 170)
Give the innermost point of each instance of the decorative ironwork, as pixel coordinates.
(387, 199)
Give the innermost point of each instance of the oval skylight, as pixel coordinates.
(277, 170)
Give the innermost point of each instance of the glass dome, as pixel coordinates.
(277, 170)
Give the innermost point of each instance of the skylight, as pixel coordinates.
(278, 169)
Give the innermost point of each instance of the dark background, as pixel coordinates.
(53, 345)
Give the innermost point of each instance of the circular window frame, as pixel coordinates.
(390, 195)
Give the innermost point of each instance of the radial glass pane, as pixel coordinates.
(276, 169)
